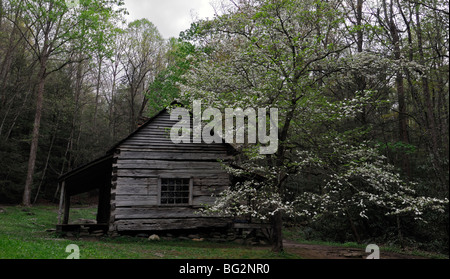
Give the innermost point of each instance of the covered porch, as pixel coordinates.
(95, 175)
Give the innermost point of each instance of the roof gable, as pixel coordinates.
(114, 147)
(167, 124)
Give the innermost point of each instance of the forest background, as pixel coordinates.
(362, 87)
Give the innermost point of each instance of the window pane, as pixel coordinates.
(175, 190)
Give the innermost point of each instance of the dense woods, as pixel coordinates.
(362, 89)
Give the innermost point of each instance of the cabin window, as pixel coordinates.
(175, 191)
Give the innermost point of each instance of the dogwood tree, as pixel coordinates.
(266, 53)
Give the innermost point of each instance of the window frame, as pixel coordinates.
(191, 187)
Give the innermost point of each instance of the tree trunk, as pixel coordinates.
(8, 57)
(444, 107)
(277, 219)
(132, 121)
(353, 227)
(47, 160)
(359, 32)
(360, 79)
(26, 200)
(70, 154)
(277, 233)
(97, 90)
(17, 115)
(1, 13)
(431, 125)
(112, 121)
(416, 101)
(402, 121)
(143, 103)
(399, 231)
(442, 92)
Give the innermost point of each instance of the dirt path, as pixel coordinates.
(311, 251)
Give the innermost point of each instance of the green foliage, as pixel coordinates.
(398, 146)
(11, 170)
(333, 104)
(165, 88)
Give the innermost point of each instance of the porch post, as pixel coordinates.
(66, 208)
(61, 202)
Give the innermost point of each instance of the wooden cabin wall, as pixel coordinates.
(149, 155)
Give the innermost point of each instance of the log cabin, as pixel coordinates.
(148, 183)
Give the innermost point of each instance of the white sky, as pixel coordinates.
(170, 16)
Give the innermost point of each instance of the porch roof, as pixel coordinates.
(88, 177)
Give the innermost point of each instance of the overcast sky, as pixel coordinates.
(170, 16)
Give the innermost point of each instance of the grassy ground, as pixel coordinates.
(23, 235)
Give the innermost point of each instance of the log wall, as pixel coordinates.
(148, 155)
